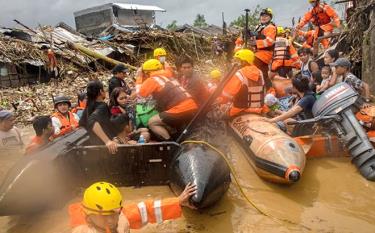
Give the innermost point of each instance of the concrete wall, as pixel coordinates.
(131, 17)
(94, 23)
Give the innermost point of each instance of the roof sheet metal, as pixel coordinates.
(119, 5)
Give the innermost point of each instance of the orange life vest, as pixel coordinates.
(281, 50)
(138, 215)
(171, 94)
(66, 123)
(251, 94)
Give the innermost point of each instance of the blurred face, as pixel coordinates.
(122, 98)
(120, 75)
(162, 59)
(63, 108)
(328, 59)
(7, 124)
(340, 70)
(186, 70)
(313, 3)
(265, 18)
(48, 131)
(304, 57)
(101, 222)
(325, 73)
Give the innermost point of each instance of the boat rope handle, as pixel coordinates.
(234, 175)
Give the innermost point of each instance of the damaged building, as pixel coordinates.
(94, 20)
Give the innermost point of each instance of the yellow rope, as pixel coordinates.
(232, 171)
(234, 175)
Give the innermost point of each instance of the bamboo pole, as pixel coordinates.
(97, 55)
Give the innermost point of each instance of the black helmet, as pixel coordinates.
(62, 99)
(119, 68)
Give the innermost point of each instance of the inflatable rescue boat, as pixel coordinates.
(57, 173)
(275, 156)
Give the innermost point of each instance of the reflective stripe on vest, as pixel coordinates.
(143, 212)
(255, 92)
(281, 51)
(158, 212)
(171, 93)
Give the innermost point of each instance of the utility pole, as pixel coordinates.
(246, 26)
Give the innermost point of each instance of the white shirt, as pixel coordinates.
(57, 124)
(11, 138)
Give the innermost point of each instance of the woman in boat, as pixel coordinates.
(330, 56)
(303, 108)
(120, 104)
(96, 118)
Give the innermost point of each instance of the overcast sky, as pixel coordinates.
(33, 12)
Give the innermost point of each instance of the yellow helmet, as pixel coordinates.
(160, 52)
(245, 55)
(267, 11)
(101, 198)
(280, 30)
(312, 1)
(215, 74)
(152, 65)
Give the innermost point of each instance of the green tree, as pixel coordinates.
(200, 21)
(254, 15)
(172, 26)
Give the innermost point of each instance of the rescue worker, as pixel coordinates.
(63, 120)
(43, 133)
(309, 38)
(324, 17)
(215, 78)
(52, 66)
(160, 54)
(246, 89)
(285, 56)
(175, 105)
(239, 44)
(191, 81)
(118, 79)
(81, 104)
(102, 210)
(265, 35)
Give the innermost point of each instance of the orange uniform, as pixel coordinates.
(62, 124)
(324, 17)
(284, 55)
(309, 37)
(139, 79)
(246, 89)
(169, 95)
(35, 143)
(239, 44)
(265, 39)
(138, 215)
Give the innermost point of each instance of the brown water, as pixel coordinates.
(331, 197)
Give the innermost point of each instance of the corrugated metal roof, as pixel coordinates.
(138, 7)
(119, 5)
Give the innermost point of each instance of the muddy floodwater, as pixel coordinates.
(330, 197)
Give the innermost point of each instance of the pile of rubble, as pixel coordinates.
(77, 66)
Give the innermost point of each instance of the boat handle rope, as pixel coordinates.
(234, 175)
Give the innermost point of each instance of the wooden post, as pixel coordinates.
(368, 55)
